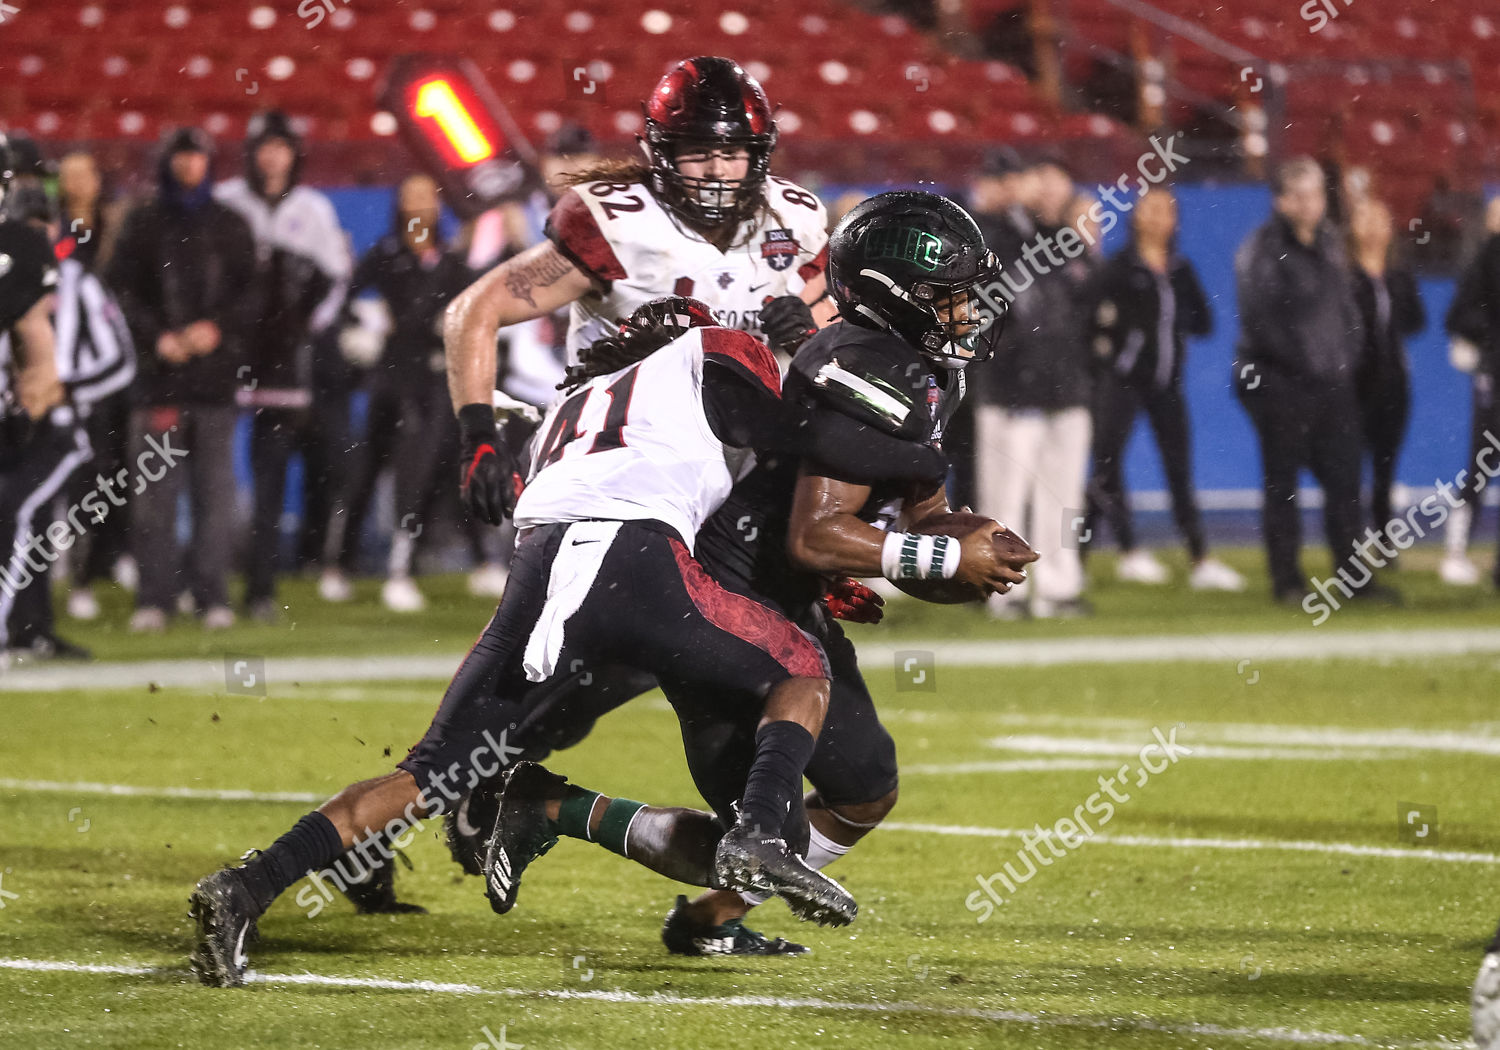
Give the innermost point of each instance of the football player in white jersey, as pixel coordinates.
(700, 215)
(628, 466)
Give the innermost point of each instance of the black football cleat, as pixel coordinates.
(684, 936)
(375, 894)
(225, 914)
(522, 831)
(467, 828)
(747, 859)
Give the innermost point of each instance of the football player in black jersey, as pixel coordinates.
(872, 397)
(40, 442)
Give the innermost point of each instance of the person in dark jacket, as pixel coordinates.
(180, 272)
(409, 424)
(302, 269)
(1146, 301)
(1295, 372)
(1390, 311)
(1473, 325)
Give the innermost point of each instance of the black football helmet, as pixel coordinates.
(650, 326)
(708, 101)
(912, 263)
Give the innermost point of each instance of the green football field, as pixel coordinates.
(1316, 866)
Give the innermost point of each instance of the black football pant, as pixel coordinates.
(30, 481)
(109, 434)
(1116, 405)
(1312, 424)
(649, 606)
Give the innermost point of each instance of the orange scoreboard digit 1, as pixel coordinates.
(459, 130)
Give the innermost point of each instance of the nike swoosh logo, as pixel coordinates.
(757, 287)
(579, 543)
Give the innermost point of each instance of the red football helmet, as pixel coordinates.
(708, 101)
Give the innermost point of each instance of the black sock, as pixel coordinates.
(782, 751)
(311, 845)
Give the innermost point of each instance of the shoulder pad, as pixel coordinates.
(871, 376)
(574, 228)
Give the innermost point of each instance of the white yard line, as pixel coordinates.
(1301, 643)
(1280, 1035)
(1350, 849)
(1344, 849)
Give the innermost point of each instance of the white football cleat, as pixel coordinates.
(400, 594)
(1141, 566)
(488, 581)
(334, 586)
(1484, 1004)
(1456, 570)
(1211, 574)
(82, 605)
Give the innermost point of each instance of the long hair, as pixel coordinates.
(611, 171)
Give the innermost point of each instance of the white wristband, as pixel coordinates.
(908, 556)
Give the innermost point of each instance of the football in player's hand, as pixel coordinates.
(1009, 547)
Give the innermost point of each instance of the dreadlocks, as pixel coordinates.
(651, 327)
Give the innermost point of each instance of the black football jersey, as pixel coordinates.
(28, 270)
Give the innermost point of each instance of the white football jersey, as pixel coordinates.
(620, 234)
(636, 444)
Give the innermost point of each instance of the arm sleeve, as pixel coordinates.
(1269, 332)
(335, 263)
(32, 271)
(575, 232)
(1197, 315)
(846, 449)
(129, 277)
(742, 391)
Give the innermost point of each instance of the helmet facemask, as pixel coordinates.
(702, 201)
(948, 322)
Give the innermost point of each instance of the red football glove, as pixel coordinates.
(853, 601)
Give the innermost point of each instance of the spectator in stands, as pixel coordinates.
(1473, 325)
(1390, 310)
(88, 228)
(1032, 424)
(1295, 373)
(301, 276)
(1145, 302)
(415, 275)
(181, 269)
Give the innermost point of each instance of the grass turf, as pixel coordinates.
(1115, 944)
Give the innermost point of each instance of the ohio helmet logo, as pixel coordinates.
(905, 243)
(779, 249)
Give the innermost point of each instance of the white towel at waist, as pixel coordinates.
(574, 567)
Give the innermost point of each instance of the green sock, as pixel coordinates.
(573, 813)
(616, 821)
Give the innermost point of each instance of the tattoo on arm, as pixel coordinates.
(540, 272)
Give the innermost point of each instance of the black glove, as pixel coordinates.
(787, 323)
(488, 482)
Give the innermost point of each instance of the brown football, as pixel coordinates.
(1011, 548)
